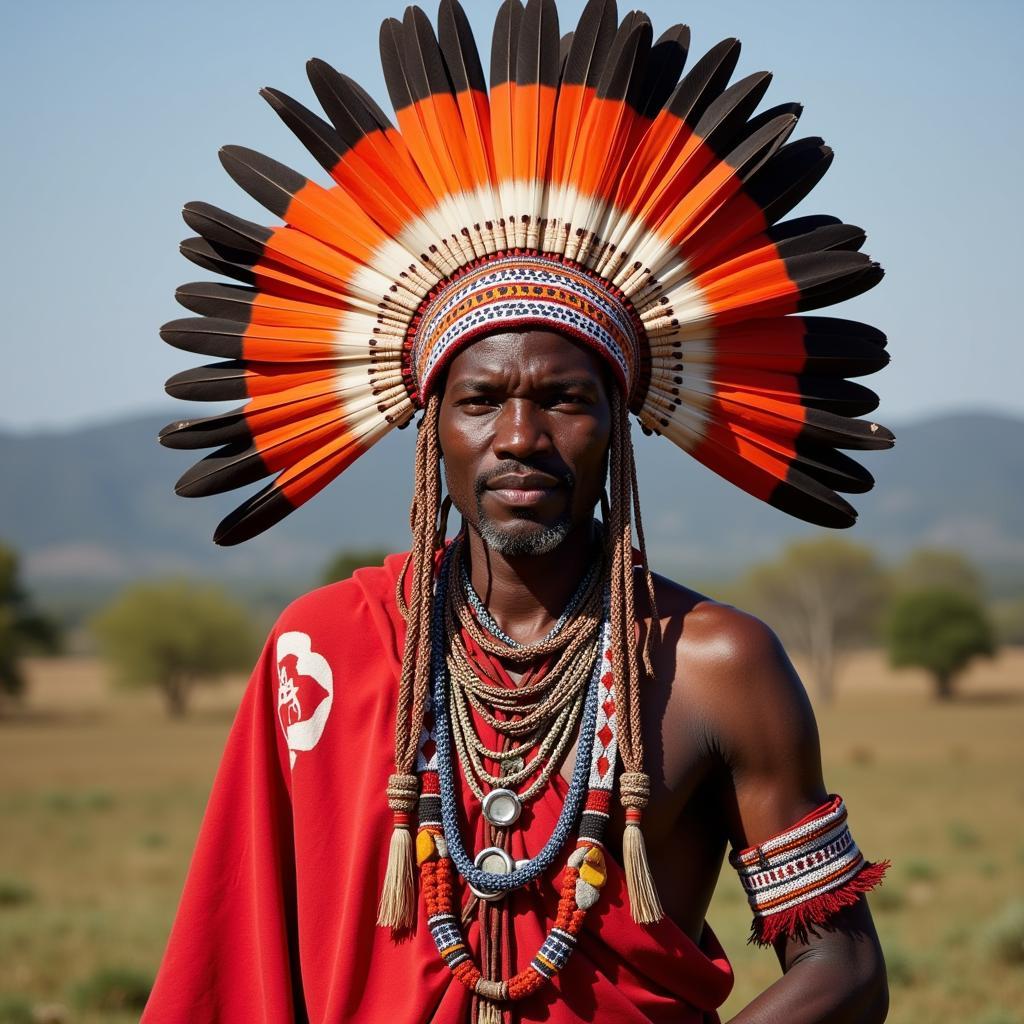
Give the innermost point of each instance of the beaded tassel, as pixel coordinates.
(398, 896)
(644, 903)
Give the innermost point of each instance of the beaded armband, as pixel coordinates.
(804, 875)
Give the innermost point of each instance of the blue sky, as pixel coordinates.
(114, 111)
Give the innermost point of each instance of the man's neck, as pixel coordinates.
(526, 594)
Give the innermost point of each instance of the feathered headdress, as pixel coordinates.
(591, 190)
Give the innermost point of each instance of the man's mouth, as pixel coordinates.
(522, 489)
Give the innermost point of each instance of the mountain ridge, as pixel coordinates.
(96, 502)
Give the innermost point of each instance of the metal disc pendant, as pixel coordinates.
(502, 807)
(495, 861)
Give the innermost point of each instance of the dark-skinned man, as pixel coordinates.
(533, 750)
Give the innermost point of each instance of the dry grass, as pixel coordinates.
(100, 797)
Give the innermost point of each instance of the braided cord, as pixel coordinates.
(536, 866)
(551, 723)
(414, 681)
(549, 754)
(576, 631)
(625, 644)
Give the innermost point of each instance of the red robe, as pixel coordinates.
(277, 920)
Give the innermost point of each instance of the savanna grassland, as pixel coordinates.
(101, 796)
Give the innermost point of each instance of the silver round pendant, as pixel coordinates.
(495, 861)
(502, 807)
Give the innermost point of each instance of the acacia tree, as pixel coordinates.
(23, 630)
(173, 635)
(822, 596)
(938, 629)
(945, 568)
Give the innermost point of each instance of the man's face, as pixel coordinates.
(524, 428)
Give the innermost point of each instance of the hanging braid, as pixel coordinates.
(398, 894)
(632, 660)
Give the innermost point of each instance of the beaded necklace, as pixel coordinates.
(544, 715)
(439, 848)
(487, 620)
(552, 746)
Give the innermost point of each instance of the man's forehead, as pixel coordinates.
(537, 353)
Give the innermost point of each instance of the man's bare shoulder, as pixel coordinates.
(719, 638)
(729, 669)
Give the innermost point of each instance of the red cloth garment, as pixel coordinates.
(277, 920)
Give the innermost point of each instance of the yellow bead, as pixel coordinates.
(425, 847)
(593, 870)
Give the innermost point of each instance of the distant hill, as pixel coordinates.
(96, 504)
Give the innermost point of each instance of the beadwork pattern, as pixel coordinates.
(799, 865)
(526, 287)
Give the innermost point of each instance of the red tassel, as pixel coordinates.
(795, 922)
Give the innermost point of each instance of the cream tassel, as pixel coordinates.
(398, 896)
(634, 792)
(489, 995)
(488, 1012)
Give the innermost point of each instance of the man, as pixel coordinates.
(519, 666)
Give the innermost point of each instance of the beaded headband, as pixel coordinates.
(520, 291)
(592, 189)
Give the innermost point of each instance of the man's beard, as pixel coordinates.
(509, 541)
(514, 545)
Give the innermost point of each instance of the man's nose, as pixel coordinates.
(520, 430)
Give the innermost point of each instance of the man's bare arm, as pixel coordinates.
(837, 976)
(761, 725)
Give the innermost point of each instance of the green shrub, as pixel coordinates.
(14, 893)
(97, 800)
(887, 898)
(1003, 937)
(114, 989)
(899, 966)
(956, 936)
(70, 800)
(917, 869)
(344, 563)
(15, 1010)
(963, 835)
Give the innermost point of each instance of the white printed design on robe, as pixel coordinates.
(305, 692)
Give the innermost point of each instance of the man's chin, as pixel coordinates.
(523, 537)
